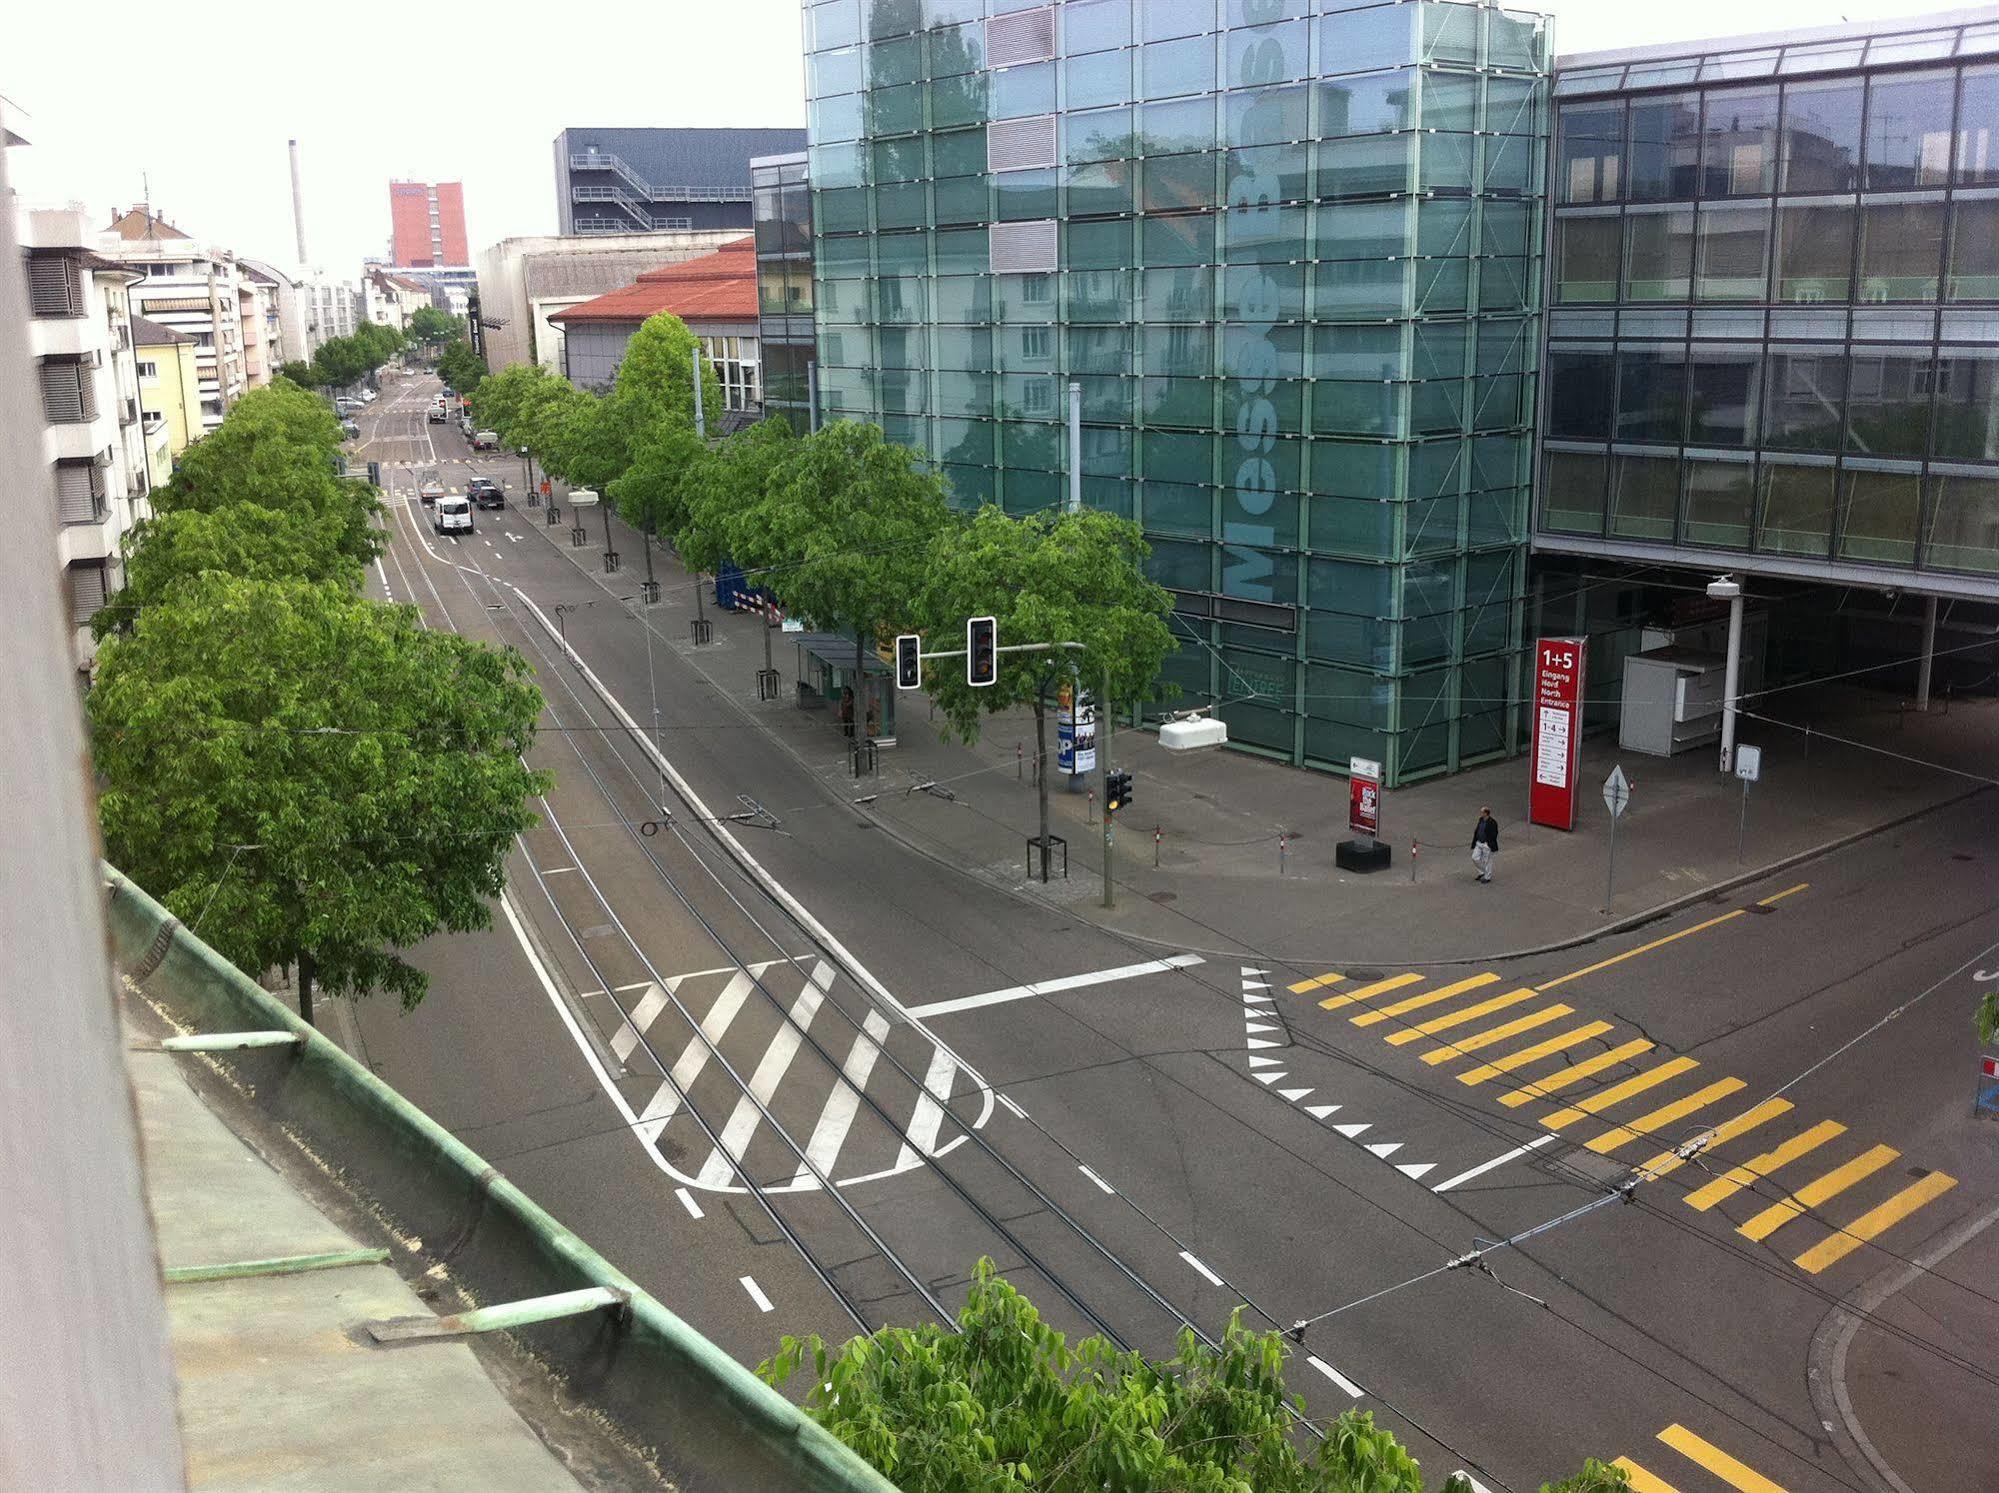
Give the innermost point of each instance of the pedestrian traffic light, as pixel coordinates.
(981, 651)
(1117, 791)
(908, 661)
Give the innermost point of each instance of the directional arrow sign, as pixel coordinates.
(1616, 792)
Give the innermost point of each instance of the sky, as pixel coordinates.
(474, 93)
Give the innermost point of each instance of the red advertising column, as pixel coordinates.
(1364, 797)
(1558, 729)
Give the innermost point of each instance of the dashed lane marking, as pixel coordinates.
(756, 1293)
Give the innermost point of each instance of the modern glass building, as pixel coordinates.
(783, 207)
(1773, 333)
(1289, 250)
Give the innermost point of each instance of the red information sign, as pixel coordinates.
(1364, 796)
(1557, 739)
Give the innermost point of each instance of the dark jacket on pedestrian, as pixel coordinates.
(1486, 833)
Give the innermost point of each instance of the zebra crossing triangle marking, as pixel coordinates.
(1256, 984)
(1260, 1026)
(1350, 1131)
(1248, 971)
(1320, 1111)
(1294, 1095)
(1263, 1042)
(1386, 1149)
(1416, 1168)
(1262, 1000)
(1263, 1062)
(1269, 1077)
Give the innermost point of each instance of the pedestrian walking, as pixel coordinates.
(1484, 843)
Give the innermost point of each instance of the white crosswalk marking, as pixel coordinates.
(838, 1115)
(763, 1083)
(643, 1015)
(665, 1102)
(929, 1116)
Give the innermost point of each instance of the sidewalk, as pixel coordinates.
(1245, 846)
(277, 1389)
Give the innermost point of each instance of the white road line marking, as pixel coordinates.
(1096, 1179)
(1386, 1149)
(1320, 1111)
(1054, 987)
(757, 1295)
(1205, 1271)
(555, 870)
(1019, 1113)
(1264, 1062)
(830, 1133)
(643, 1015)
(1351, 1131)
(687, 1202)
(1335, 1375)
(1269, 1077)
(928, 1119)
(770, 1071)
(1263, 1042)
(391, 595)
(665, 1102)
(1485, 1166)
(1294, 1095)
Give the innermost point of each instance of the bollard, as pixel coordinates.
(1017, 757)
(1155, 847)
(1412, 860)
(1283, 852)
(1090, 807)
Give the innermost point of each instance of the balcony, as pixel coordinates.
(651, 191)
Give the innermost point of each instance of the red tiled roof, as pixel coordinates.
(719, 286)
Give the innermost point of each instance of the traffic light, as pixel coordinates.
(908, 661)
(981, 651)
(1117, 791)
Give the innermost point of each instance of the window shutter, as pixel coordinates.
(76, 493)
(63, 392)
(1022, 248)
(86, 591)
(52, 287)
(1024, 36)
(1021, 144)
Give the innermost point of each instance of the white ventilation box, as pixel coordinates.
(1192, 735)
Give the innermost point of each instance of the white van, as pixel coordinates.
(452, 516)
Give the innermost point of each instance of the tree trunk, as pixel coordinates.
(1041, 772)
(860, 689)
(305, 989)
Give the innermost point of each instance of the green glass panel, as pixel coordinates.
(1270, 234)
(1367, 166)
(957, 101)
(1268, 115)
(1178, 294)
(1101, 349)
(1359, 526)
(1720, 503)
(906, 206)
(956, 49)
(1269, 173)
(1098, 135)
(1100, 78)
(1964, 523)
(1177, 239)
(1573, 488)
(962, 199)
(1177, 509)
(958, 152)
(1098, 246)
(894, 62)
(1176, 183)
(1180, 351)
(1178, 401)
(1177, 127)
(1797, 508)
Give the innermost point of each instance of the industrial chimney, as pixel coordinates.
(298, 205)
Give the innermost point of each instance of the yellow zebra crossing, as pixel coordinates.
(1624, 1088)
(1703, 1453)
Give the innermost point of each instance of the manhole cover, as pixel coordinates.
(1162, 896)
(599, 930)
(1596, 1168)
(1919, 1171)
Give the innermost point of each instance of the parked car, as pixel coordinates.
(486, 440)
(436, 416)
(452, 516)
(368, 396)
(486, 492)
(465, 426)
(349, 429)
(431, 488)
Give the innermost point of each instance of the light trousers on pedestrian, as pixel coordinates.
(1481, 856)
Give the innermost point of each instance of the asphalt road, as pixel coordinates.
(790, 1096)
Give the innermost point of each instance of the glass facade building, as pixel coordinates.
(1773, 330)
(1289, 251)
(783, 208)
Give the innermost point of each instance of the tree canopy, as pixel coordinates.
(276, 451)
(732, 477)
(1007, 1404)
(434, 327)
(311, 779)
(461, 368)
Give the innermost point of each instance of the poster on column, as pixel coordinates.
(1558, 729)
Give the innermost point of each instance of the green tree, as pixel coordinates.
(1595, 1477)
(242, 539)
(434, 327)
(735, 475)
(1988, 1017)
(503, 402)
(1007, 1404)
(312, 780)
(1046, 578)
(299, 373)
(340, 361)
(276, 450)
(461, 368)
(842, 533)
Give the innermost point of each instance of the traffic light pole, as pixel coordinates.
(1104, 727)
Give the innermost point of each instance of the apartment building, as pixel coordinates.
(427, 224)
(193, 288)
(169, 388)
(95, 438)
(390, 300)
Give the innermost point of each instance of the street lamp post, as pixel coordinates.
(652, 689)
(1727, 589)
(610, 555)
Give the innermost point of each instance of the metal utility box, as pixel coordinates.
(1672, 700)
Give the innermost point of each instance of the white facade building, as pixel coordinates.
(95, 437)
(390, 299)
(192, 288)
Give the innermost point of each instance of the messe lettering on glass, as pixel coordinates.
(1557, 743)
(1364, 796)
